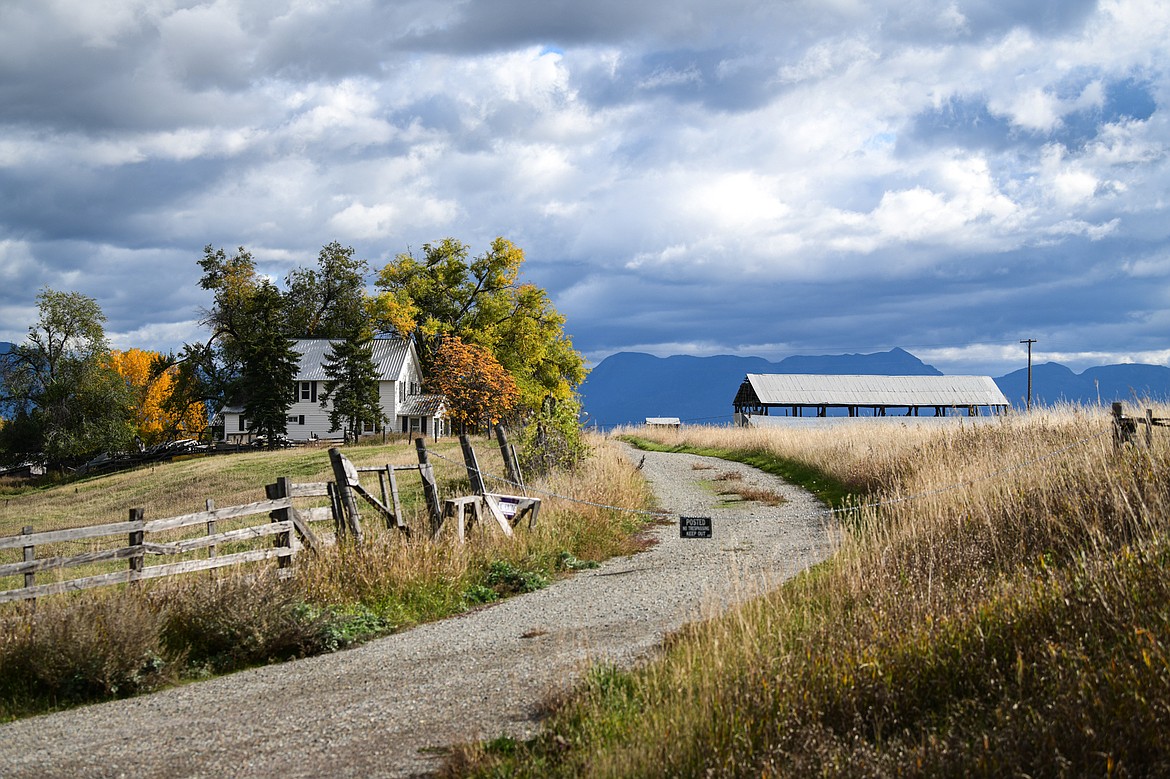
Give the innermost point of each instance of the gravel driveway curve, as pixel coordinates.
(390, 707)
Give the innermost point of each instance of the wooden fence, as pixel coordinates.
(1125, 428)
(139, 548)
(289, 526)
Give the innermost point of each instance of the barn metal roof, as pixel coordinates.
(799, 389)
(389, 357)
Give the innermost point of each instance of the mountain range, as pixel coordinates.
(627, 387)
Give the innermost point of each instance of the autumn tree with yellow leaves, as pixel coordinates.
(152, 420)
(481, 301)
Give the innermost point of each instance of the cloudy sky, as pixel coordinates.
(686, 177)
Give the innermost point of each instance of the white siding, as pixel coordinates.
(388, 392)
(316, 418)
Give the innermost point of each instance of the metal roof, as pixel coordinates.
(422, 406)
(389, 357)
(799, 389)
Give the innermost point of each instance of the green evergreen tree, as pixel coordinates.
(269, 365)
(351, 392)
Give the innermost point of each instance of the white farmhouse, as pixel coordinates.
(404, 405)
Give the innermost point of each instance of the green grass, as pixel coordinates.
(830, 490)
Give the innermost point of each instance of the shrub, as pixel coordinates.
(232, 622)
(90, 647)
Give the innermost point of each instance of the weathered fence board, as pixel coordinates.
(151, 572)
(85, 558)
(227, 512)
(136, 548)
(71, 534)
(311, 489)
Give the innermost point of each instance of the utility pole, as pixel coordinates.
(1029, 342)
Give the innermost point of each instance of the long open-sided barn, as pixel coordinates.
(794, 394)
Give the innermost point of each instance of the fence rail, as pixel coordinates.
(289, 525)
(137, 549)
(1125, 428)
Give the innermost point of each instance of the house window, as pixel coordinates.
(309, 391)
(296, 419)
(369, 427)
(414, 388)
(415, 425)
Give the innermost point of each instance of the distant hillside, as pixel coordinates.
(627, 387)
(1054, 383)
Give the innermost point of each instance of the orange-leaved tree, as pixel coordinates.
(152, 421)
(479, 392)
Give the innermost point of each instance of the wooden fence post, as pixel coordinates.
(137, 537)
(345, 493)
(474, 475)
(395, 503)
(338, 511)
(30, 554)
(209, 505)
(1124, 428)
(1149, 428)
(281, 489)
(430, 488)
(511, 466)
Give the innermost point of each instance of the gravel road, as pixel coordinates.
(390, 708)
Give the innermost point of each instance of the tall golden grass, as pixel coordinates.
(1000, 605)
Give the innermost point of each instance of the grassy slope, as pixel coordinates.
(115, 642)
(1012, 618)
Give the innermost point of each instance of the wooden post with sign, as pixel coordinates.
(343, 478)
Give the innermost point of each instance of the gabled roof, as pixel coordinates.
(421, 406)
(799, 389)
(389, 357)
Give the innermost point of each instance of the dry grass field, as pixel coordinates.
(999, 605)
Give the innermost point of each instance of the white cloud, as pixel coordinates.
(656, 159)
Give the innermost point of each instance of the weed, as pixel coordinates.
(506, 579)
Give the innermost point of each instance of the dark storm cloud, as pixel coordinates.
(694, 176)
